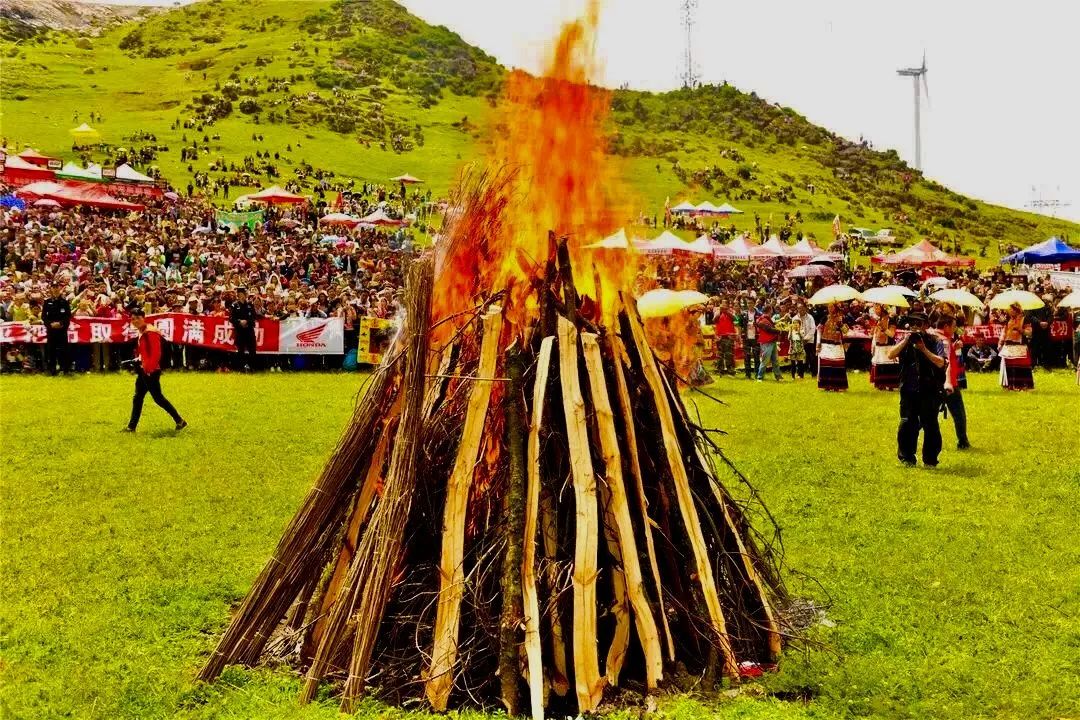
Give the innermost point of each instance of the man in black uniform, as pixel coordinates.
(242, 316)
(56, 315)
(922, 384)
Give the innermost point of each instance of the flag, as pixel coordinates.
(836, 226)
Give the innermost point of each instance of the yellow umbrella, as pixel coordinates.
(834, 293)
(1027, 300)
(1072, 300)
(661, 303)
(957, 297)
(885, 296)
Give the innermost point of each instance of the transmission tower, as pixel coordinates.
(690, 78)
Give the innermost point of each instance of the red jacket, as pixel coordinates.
(725, 323)
(766, 330)
(149, 349)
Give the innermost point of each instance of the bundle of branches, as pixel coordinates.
(524, 515)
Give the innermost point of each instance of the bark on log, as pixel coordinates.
(619, 506)
(439, 677)
(685, 498)
(621, 361)
(531, 602)
(589, 685)
(514, 519)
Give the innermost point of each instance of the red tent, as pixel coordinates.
(275, 195)
(922, 254)
(17, 171)
(77, 193)
(35, 158)
(339, 219)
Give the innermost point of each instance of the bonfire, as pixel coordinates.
(521, 510)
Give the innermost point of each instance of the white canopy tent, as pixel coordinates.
(708, 208)
(616, 241)
(71, 170)
(664, 244)
(727, 209)
(684, 207)
(129, 174)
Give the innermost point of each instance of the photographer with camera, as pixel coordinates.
(922, 383)
(147, 365)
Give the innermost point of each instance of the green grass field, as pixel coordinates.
(955, 592)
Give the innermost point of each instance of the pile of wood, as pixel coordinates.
(518, 515)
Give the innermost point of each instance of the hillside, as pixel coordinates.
(363, 89)
(27, 18)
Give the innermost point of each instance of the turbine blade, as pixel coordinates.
(926, 90)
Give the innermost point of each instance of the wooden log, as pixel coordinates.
(372, 479)
(746, 559)
(685, 498)
(380, 548)
(630, 429)
(621, 527)
(530, 598)
(304, 546)
(512, 612)
(380, 543)
(439, 678)
(560, 682)
(620, 608)
(589, 686)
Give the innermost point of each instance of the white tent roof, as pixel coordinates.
(617, 241)
(662, 244)
(684, 206)
(70, 169)
(702, 245)
(729, 209)
(745, 248)
(126, 172)
(778, 246)
(707, 207)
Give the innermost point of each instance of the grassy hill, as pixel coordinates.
(366, 90)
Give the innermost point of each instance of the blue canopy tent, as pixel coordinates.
(1049, 252)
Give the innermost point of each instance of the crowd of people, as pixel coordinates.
(179, 256)
(756, 305)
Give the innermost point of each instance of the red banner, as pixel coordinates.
(208, 331)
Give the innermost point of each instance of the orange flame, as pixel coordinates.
(547, 172)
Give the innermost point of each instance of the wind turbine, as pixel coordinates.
(915, 74)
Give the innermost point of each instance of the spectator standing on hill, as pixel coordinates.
(56, 315)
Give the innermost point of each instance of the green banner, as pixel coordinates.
(236, 219)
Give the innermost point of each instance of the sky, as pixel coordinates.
(1003, 112)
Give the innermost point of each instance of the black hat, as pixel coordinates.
(917, 317)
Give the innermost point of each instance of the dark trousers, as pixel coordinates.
(57, 351)
(751, 357)
(919, 411)
(725, 354)
(811, 358)
(245, 347)
(955, 404)
(149, 384)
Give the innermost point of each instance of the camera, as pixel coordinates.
(132, 364)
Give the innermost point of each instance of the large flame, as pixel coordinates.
(547, 171)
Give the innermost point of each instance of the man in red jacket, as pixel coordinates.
(148, 380)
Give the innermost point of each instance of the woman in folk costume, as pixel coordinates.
(832, 367)
(1015, 355)
(884, 373)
